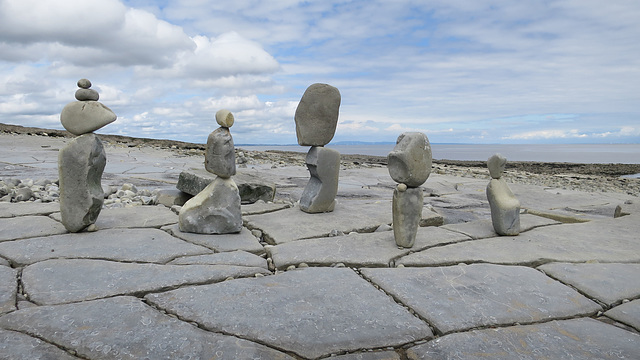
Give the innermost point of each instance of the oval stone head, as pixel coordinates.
(224, 118)
(317, 115)
(496, 165)
(410, 160)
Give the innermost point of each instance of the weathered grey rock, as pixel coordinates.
(609, 283)
(410, 160)
(262, 207)
(378, 355)
(505, 208)
(56, 281)
(124, 327)
(215, 210)
(463, 297)
(243, 240)
(251, 187)
(87, 95)
(316, 116)
(567, 339)
(130, 245)
(627, 313)
(84, 83)
(224, 118)
(236, 258)
(80, 167)
(133, 217)
(407, 212)
(82, 117)
(496, 165)
(311, 312)
(320, 193)
(8, 289)
(18, 346)
(170, 197)
(482, 229)
(220, 156)
(29, 226)
(22, 209)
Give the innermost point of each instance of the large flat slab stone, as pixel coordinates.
(133, 217)
(140, 245)
(628, 313)
(27, 208)
(29, 226)
(567, 339)
(609, 283)
(62, 281)
(378, 355)
(482, 229)
(237, 258)
(611, 240)
(18, 346)
(463, 297)
(244, 240)
(126, 328)
(377, 249)
(312, 312)
(294, 224)
(252, 186)
(262, 207)
(8, 289)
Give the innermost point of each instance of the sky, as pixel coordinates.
(461, 71)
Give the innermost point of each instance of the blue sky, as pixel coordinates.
(475, 71)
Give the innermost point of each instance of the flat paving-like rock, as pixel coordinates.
(463, 297)
(63, 281)
(139, 245)
(18, 346)
(27, 208)
(311, 312)
(379, 355)
(377, 249)
(133, 217)
(244, 240)
(29, 226)
(482, 229)
(609, 283)
(126, 328)
(237, 258)
(627, 313)
(8, 289)
(567, 339)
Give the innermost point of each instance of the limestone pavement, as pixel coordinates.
(293, 285)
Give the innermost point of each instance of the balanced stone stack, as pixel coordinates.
(82, 161)
(316, 120)
(409, 164)
(505, 207)
(216, 209)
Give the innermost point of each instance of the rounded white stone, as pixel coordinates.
(224, 118)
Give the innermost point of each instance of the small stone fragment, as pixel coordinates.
(84, 83)
(224, 118)
(316, 116)
(87, 95)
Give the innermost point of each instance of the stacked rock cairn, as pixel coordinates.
(409, 164)
(505, 207)
(216, 209)
(316, 120)
(82, 161)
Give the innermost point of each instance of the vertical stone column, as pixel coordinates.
(505, 207)
(216, 209)
(81, 163)
(316, 120)
(409, 164)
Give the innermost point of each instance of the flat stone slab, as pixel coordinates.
(628, 313)
(18, 346)
(567, 339)
(463, 297)
(377, 249)
(57, 281)
(125, 327)
(482, 229)
(262, 208)
(378, 355)
(133, 217)
(8, 289)
(252, 186)
(29, 226)
(609, 283)
(312, 312)
(139, 245)
(613, 240)
(294, 224)
(237, 258)
(27, 208)
(244, 240)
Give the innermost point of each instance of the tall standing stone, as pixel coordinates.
(505, 207)
(316, 120)
(409, 164)
(216, 209)
(81, 163)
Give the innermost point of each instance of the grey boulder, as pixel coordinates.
(410, 160)
(316, 117)
(220, 156)
(81, 117)
(407, 213)
(505, 208)
(215, 210)
(320, 193)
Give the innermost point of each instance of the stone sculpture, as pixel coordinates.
(82, 161)
(316, 120)
(505, 207)
(216, 209)
(409, 164)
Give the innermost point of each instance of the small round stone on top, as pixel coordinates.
(84, 83)
(224, 118)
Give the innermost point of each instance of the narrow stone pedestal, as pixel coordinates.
(320, 193)
(80, 167)
(505, 208)
(215, 210)
(407, 212)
